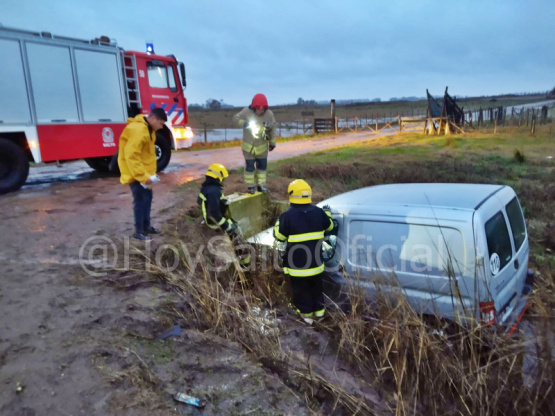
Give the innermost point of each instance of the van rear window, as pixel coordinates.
(497, 236)
(516, 220)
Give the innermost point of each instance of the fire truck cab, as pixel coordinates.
(63, 99)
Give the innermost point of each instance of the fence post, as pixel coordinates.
(356, 124)
(205, 135)
(495, 126)
(533, 124)
(400, 125)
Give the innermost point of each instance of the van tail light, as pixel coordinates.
(487, 313)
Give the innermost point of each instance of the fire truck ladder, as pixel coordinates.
(131, 80)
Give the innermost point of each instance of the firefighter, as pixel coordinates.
(302, 226)
(259, 137)
(213, 204)
(137, 164)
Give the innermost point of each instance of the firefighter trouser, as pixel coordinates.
(307, 292)
(261, 165)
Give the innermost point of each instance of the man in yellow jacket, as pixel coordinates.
(137, 164)
(259, 136)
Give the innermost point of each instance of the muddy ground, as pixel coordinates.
(75, 341)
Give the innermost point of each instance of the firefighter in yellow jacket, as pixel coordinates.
(302, 226)
(259, 137)
(137, 164)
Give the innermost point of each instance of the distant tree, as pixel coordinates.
(213, 104)
(393, 99)
(376, 100)
(300, 101)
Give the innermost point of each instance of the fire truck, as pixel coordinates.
(63, 99)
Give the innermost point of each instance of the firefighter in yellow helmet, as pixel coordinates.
(259, 137)
(212, 200)
(302, 226)
(213, 204)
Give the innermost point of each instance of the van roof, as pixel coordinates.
(437, 195)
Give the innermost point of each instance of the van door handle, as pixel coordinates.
(176, 99)
(516, 264)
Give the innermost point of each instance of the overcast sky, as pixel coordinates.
(322, 49)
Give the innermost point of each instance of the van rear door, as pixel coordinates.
(507, 247)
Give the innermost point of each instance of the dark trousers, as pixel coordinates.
(261, 164)
(142, 203)
(307, 292)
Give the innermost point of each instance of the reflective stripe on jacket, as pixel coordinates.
(256, 139)
(303, 227)
(211, 201)
(137, 157)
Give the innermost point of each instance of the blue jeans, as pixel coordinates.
(142, 203)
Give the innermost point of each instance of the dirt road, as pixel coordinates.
(59, 325)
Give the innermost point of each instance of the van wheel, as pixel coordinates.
(163, 151)
(14, 166)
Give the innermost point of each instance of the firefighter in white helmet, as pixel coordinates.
(302, 226)
(259, 137)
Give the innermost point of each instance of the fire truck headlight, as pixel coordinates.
(183, 133)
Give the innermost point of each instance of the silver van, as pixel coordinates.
(456, 251)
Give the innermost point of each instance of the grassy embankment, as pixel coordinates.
(387, 349)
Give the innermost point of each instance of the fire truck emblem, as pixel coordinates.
(108, 137)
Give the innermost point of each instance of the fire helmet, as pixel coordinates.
(299, 192)
(259, 100)
(217, 171)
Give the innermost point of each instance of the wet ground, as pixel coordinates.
(59, 323)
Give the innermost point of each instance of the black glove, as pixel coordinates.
(326, 208)
(230, 227)
(271, 147)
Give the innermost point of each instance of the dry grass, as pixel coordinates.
(397, 362)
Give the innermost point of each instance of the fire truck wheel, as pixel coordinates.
(14, 166)
(101, 164)
(163, 151)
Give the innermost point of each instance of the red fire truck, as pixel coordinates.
(63, 99)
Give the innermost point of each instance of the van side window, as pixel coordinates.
(497, 235)
(408, 248)
(517, 222)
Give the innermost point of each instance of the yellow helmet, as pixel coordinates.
(299, 192)
(217, 171)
